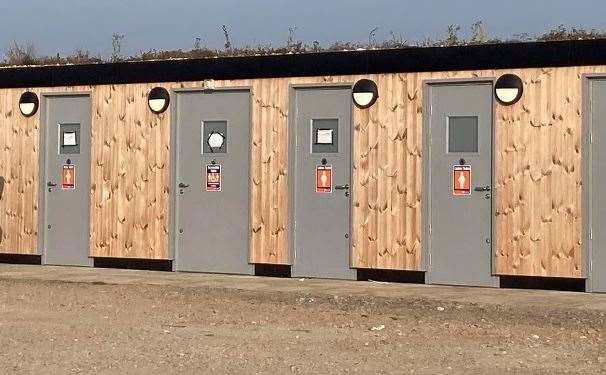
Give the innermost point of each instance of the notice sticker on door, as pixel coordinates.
(213, 177)
(68, 177)
(324, 179)
(461, 180)
(69, 139)
(324, 136)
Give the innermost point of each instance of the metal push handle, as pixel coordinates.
(342, 187)
(51, 184)
(482, 188)
(182, 185)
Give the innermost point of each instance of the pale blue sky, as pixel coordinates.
(64, 25)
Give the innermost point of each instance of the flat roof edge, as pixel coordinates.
(405, 60)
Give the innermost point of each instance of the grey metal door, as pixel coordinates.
(460, 179)
(66, 180)
(321, 141)
(212, 204)
(597, 187)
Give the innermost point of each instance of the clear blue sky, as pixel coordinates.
(64, 25)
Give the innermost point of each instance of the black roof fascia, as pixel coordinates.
(413, 59)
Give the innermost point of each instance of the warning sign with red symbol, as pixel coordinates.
(213, 178)
(324, 179)
(68, 177)
(461, 180)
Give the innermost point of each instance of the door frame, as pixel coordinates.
(587, 252)
(173, 214)
(292, 137)
(428, 84)
(42, 178)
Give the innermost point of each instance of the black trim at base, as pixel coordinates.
(134, 264)
(272, 270)
(409, 277)
(20, 259)
(544, 283)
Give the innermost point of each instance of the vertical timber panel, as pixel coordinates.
(386, 176)
(269, 161)
(130, 190)
(538, 176)
(19, 137)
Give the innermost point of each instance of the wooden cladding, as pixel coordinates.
(130, 175)
(387, 177)
(537, 176)
(19, 138)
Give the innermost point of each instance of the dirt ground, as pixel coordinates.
(71, 328)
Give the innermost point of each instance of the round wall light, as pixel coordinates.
(28, 104)
(365, 93)
(158, 100)
(508, 89)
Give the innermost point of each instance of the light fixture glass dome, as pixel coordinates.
(365, 93)
(158, 100)
(363, 99)
(508, 89)
(28, 103)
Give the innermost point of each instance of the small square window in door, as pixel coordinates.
(69, 139)
(463, 134)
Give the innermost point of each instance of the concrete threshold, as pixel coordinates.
(488, 296)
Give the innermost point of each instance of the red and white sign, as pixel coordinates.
(461, 180)
(213, 178)
(68, 177)
(324, 179)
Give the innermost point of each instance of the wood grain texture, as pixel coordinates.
(386, 177)
(19, 138)
(386, 181)
(537, 175)
(269, 167)
(538, 181)
(130, 174)
(537, 188)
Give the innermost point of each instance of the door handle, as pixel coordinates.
(342, 187)
(482, 188)
(182, 185)
(51, 184)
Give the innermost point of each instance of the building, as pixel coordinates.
(467, 164)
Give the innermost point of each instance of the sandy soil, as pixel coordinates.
(69, 328)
